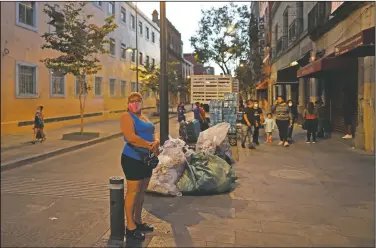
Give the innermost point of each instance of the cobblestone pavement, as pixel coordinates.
(306, 195)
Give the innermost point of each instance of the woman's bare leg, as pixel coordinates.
(140, 201)
(133, 189)
(35, 131)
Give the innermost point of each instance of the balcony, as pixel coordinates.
(279, 47)
(318, 16)
(292, 32)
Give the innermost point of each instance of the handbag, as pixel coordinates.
(149, 158)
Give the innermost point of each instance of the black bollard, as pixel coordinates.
(117, 220)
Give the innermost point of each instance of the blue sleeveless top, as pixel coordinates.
(143, 129)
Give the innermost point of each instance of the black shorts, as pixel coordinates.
(135, 170)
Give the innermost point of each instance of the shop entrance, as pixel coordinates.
(341, 90)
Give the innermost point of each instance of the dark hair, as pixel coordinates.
(197, 103)
(269, 114)
(249, 101)
(290, 101)
(311, 107)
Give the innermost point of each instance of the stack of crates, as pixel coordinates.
(216, 112)
(230, 106)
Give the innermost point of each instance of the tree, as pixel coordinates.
(150, 77)
(222, 37)
(78, 42)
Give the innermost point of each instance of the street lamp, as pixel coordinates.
(163, 87)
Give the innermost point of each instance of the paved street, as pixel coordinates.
(305, 195)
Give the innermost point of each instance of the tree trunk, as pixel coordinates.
(81, 115)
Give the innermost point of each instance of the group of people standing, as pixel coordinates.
(285, 113)
(283, 116)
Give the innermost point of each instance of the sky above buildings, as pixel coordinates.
(185, 16)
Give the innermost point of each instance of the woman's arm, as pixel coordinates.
(127, 127)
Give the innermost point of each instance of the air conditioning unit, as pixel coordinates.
(261, 20)
(262, 42)
(261, 27)
(262, 49)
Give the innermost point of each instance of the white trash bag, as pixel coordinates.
(211, 138)
(172, 163)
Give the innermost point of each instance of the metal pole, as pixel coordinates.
(117, 220)
(163, 88)
(137, 53)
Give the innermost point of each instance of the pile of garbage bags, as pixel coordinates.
(207, 169)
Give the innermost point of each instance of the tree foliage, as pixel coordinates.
(150, 77)
(78, 42)
(222, 36)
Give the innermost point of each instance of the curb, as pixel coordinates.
(36, 158)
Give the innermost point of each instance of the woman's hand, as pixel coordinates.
(154, 146)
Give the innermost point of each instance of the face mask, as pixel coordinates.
(135, 107)
(256, 105)
(290, 104)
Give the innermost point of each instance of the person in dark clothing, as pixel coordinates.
(283, 119)
(320, 118)
(241, 106)
(248, 124)
(294, 113)
(259, 120)
(310, 117)
(181, 112)
(348, 111)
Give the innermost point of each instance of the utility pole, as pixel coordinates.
(137, 52)
(163, 84)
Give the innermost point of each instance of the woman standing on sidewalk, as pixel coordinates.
(310, 116)
(283, 119)
(39, 125)
(139, 135)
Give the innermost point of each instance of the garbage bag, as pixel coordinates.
(207, 174)
(172, 163)
(210, 139)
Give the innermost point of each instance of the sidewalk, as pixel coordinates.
(17, 150)
(306, 195)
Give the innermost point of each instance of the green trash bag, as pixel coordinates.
(207, 174)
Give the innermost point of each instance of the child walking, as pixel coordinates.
(269, 126)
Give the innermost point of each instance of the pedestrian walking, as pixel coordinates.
(269, 126)
(38, 129)
(181, 112)
(294, 113)
(248, 124)
(310, 118)
(139, 135)
(204, 122)
(259, 120)
(283, 119)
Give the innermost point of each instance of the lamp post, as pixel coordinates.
(137, 49)
(163, 84)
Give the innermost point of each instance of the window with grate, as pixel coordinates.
(133, 22)
(123, 88)
(112, 47)
(140, 27)
(133, 56)
(57, 83)
(133, 87)
(123, 16)
(123, 51)
(27, 80)
(98, 86)
(285, 29)
(141, 59)
(111, 86)
(147, 33)
(27, 13)
(299, 18)
(80, 83)
(153, 62)
(153, 37)
(111, 8)
(147, 61)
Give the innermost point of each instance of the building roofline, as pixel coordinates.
(139, 12)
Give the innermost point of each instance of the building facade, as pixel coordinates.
(26, 83)
(209, 70)
(324, 51)
(187, 72)
(198, 69)
(174, 52)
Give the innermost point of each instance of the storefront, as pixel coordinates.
(262, 93)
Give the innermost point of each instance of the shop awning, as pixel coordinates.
(317, 67)
(263, 85)
(287, 74)
(359, 45)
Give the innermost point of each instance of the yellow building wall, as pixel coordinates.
(368, 104)
(24, 46)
